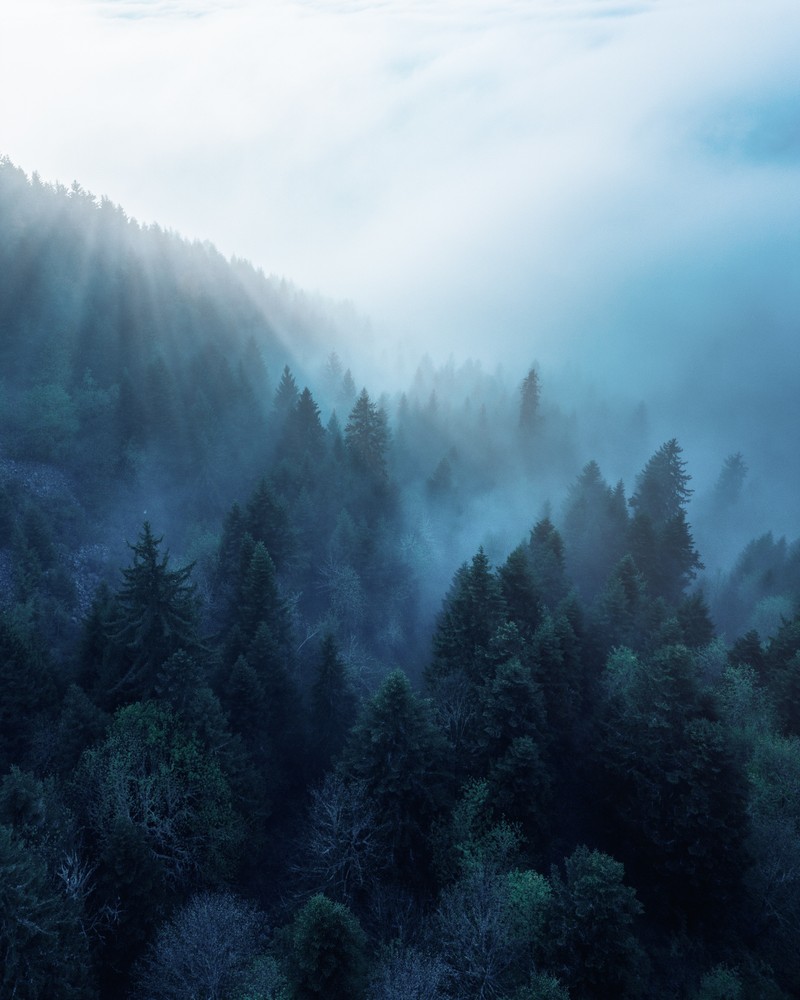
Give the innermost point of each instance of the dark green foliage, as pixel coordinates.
(546, 548)
(155, 616)
(662, 488)
(266, 520)
(327, 953)
(286, 394)
(579, 693)
(519, 590)
(695, 622)
(473, 611)
(397, 753)
(42, 951)
(333, 704)
(28, 691)
(592, 940)
(260, 602)
(660, 538)
(513, 748)
(303, 434)
(150, 787)
(677, 791)
(80, 725)
(623, 612)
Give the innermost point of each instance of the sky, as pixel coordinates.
(609, 181)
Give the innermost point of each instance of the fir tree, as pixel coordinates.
(155, 617)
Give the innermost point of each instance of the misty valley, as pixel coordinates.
(323, 674)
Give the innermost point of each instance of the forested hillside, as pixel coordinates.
(310, 688)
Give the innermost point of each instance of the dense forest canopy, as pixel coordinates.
(312, 687)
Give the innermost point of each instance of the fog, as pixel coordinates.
(609, 190)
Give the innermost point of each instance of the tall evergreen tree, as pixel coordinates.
(366, 437)
(595, 528)
(660, 538)
(472, 612)
(333, 704)
(286, 394)
(396, 751)
(530, 393)
(155, 617)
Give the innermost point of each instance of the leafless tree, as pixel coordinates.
(341, 854)
(206, 950)
(409, 974)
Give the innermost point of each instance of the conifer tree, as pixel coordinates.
(530, 393)
(155, 617)
(546, 548)
(366, 437)
(333, 704)
(286, 394)
(473, 611)
(592, 941)
(397, 753)
(660, 538)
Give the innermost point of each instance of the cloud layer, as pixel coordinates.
(610, 182)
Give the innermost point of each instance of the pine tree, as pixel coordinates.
(267, 520)
(303, 434)
(530, 393)
(519, 590)
(546, 548)
(155, 617)
(473, 611)
(660, 538)
(366, 437)
(333, 704)
(286, 394)
(662, 488)
(595, 529)
(397, 753)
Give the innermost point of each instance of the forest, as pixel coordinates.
(313, 686)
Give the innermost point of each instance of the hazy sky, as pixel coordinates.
(516, 180)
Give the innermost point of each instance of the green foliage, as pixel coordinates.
(546, 548)
(333, 703)
(592, 942)
(42, 952)
(155, 616)
(675, 783)
(473, 838)
(721, 983)
(519, 590)
(327, 956)
(660, 538)
(397, 753)
(151, 781)
(132, 375)
(472, 612)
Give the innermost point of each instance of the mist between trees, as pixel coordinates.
(317, 688)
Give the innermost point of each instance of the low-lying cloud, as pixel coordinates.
(612, 183)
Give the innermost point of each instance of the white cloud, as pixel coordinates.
(509, 178)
